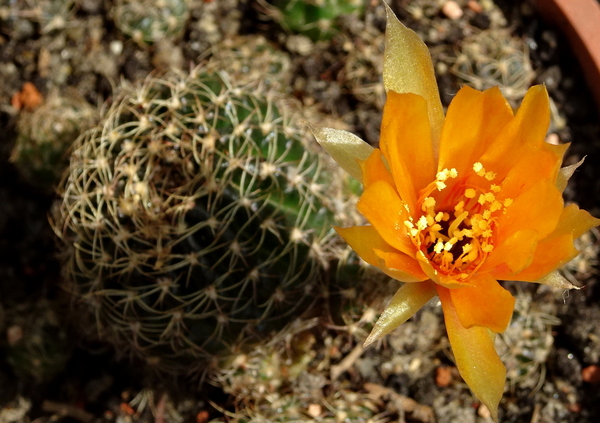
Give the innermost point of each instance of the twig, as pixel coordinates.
(422, 413)
(347, 362)
(66, 410)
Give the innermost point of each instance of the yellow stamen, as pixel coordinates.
(422, 223)
(429, 202)
(490, 176)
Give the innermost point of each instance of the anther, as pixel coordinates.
(490, 176)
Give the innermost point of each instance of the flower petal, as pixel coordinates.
(534, 165)
(556, 280)
(400, 266)
(485, 304)
(472, 123)
(375, 169)
(574, 221)
(475, 356)
(557, 249)
(549, 255)
(447, 281)
(370, 246)
(407, 68)
(344, 147)
(539, 208)
(512, 255)
(527, 128)
(565, 174)
(406, 144)
(363, 240)
(383, 208)
(406, 302)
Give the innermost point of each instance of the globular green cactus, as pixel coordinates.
(314, 18)
(195, 217)
(148, 21)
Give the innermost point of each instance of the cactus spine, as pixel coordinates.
(194, 217)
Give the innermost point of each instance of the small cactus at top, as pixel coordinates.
(495, 58)
(149, 21)
(314, 18)
(195, 217)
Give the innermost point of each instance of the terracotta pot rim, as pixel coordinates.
(580, 22)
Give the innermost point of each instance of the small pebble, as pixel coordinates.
(591, 374)
(116, 47)
(443, 376)
(314, 410)
(484, 412)
(474, 6)
(299, 44)
(452, 10)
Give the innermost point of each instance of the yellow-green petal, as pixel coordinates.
(565, 173)
(556, 280)
(347, 149)
(475, 356)
(407, 68)
(406, 302)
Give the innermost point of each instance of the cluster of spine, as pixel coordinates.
(149, 21)
(287, 380)
(495, 58)
(195, 218)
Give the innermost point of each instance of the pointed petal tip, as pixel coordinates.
(344, 147)
(556, 280)
(407, 68)
(374, 336)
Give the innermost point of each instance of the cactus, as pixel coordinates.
(37, 345)
(148, 21)
(195, 217)
(46, 133)
(494, 57)
(50, 14)
(314, 18)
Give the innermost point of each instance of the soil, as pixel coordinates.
(54, 367)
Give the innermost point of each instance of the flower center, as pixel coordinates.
(457, 236)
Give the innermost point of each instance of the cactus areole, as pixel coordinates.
(194, 218)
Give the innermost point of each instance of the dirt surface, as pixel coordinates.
(77, 53)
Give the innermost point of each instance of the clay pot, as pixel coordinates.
(580, 22)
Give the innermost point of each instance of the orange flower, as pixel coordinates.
(456, 203)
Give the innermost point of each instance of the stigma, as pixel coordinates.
(456, 231)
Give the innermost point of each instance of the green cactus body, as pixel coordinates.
(315, 18)
(195, 218)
